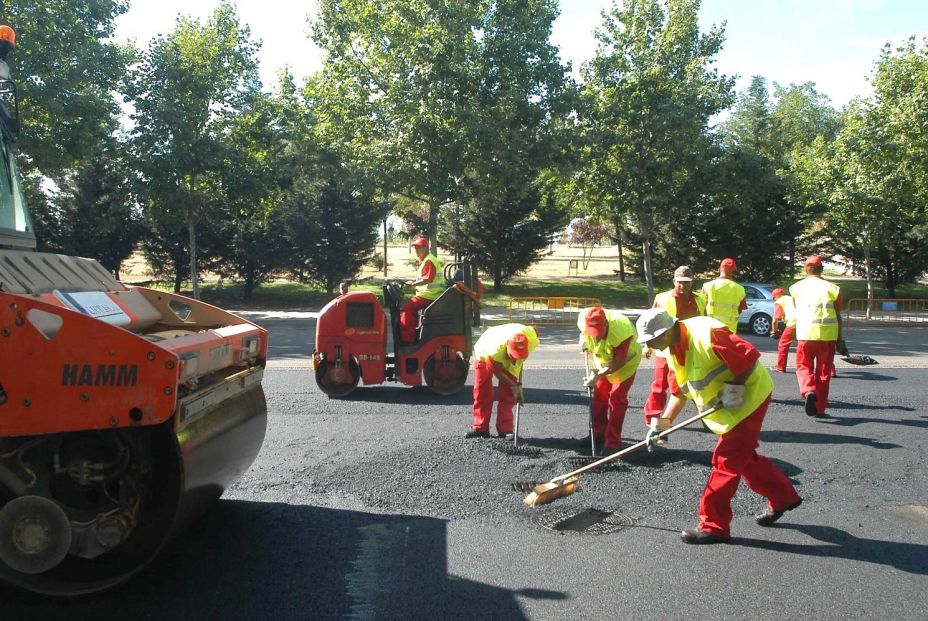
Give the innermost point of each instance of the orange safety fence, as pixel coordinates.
(549, 311)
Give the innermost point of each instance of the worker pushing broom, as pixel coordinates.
(720, 372)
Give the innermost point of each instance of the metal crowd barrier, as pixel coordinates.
(889, 310)
(549, 311)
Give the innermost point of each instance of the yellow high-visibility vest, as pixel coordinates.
(432, 290)
(492, 344)
(723, 299)
(789, 309)
(703, 375)
(668, 302)
(620, 328)
(816, 316)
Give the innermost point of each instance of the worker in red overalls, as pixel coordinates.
(499, 352)
(680, 302)
(609, 337)
(725, 299)
(715, 368)
(818, 330)
(428, 288)
(784, 312)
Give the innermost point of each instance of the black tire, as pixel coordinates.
(445, 378)
(761, 323)
(338, 380)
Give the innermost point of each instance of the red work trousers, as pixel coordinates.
(735, 457)
(815, 365)
(657, 398)
(786, 339)
(483, 401)
(409, 318)
(610, 402)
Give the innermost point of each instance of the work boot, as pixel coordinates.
(507, 435)
(696, 536)
(476, 433)
(811, 404)
(768, 517)
(584, 442)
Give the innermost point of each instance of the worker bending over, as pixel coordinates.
(715, 368)
(500, 351)
(609, 337)
(725, 298)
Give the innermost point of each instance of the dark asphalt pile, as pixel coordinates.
(455, 478)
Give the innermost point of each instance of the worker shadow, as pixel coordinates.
(254, 560)
(673, 455)
(836, 543)
(864, 375)
(808, 437)
(842, 405)
(851, 421)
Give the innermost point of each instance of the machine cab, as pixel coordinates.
(15, 224)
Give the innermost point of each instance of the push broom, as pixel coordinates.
(566, 484)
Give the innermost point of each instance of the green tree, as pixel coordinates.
(71, 69)
(393, 94)
(187, 89)
(649, 93)
(97, 216)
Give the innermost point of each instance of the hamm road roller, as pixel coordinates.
(353, 330)
(124, 411)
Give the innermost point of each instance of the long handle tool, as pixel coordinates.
(589, 394)
(566, 484)
(515, 434)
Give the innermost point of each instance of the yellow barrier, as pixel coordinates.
(893, 310)
(549, 311)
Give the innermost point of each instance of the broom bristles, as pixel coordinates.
(550, 491)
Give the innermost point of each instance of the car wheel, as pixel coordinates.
(760, 324)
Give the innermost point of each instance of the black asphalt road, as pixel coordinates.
(375, 507)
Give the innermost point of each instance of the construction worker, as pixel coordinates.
(725, 298)
(609, 337)
(715, 368)
(784, 312)
(428, 288)
(500, 351)
(680, 302)
(818, 331)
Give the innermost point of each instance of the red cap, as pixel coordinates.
(420, 242)
(814, 261)
(777, 293)
(517, 346)
(594, 322)
(728, 264)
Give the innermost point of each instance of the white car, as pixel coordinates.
(758, 316)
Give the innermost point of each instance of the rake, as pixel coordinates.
(566, 484)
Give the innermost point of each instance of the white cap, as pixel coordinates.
(652, 323)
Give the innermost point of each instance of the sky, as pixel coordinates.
(833, 43)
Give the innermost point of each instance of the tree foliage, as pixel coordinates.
(186, 90)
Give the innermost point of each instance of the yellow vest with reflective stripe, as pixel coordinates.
(789, 309)
(492, 344)
(723, 298)
(668, 302)
(620, 328)
(816, 317)
(432, 290)
(703, 375)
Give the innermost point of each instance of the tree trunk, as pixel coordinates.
(619, 236)
(178, 278)
(249, 285)
(869, 281)
(192, 234)
(433, 228)
(648, 275)
(385, 247)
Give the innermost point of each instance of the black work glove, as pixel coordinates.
(841, 347)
